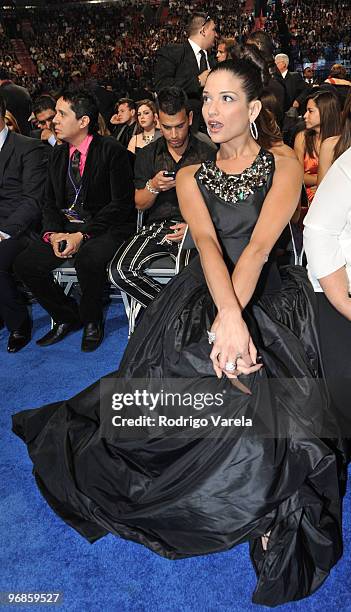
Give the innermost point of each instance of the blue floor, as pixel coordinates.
(39, 553)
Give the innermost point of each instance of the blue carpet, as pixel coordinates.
(39, 553)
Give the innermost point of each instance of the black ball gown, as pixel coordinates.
(192, 493)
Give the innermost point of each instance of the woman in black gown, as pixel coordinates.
(275, 484)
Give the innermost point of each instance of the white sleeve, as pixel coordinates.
(326, 219)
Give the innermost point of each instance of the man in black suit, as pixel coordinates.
(18, 101)
(127, 123)
(293, 81)
(187, 65)
(88, 212)
(23, 166)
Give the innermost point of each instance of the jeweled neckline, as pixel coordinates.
(233, 188)
(245, 169)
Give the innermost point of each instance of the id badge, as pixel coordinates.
(72, 215)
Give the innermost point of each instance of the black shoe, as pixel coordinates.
(20, 337)
(93, 335)
(58, 333)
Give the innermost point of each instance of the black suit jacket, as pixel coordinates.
(294, 85)
(107, 189)
(23, 168)
(19, 103)
(176, 65)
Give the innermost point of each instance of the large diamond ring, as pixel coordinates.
(230, 366)
(211, 337)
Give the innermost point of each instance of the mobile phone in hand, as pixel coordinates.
(62, 245)
(169, 174)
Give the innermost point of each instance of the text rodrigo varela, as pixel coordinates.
(150, 401)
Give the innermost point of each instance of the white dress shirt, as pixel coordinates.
(3, 136)
(195, 47)
(327, 233)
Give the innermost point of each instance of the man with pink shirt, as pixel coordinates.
(88, 212)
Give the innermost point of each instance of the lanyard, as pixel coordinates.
(77, 190)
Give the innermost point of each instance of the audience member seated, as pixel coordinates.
(125, 121)
(18, 101)
(337, 79)
(88, 212)
(146, 126)
(23, 165)
(155, 170)
(44, 110)
(226, 48)
(332, 148)
(322, 120)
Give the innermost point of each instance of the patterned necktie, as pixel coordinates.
(203, 61)
(75, 172)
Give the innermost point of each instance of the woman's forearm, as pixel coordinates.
(247, 272)
(217, 275)
(336, 289)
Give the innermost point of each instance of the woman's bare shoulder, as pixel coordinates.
(187, 172)
(288, 166)
(282, 150)
(329, 143)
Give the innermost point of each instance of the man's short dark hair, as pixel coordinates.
(2, 106)
(196, 22)
(44, 103)
(172, 100)
(131, 104)
(82, 103)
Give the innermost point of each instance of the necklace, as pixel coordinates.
(149, 138)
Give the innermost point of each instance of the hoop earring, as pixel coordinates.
(253, 130)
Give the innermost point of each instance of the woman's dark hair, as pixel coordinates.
(264, 44)
(82, 103)
(151, 105)
(271, 105)
(344, 141)
(251, 69)
(328, 105)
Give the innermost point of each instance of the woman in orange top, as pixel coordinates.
(322, 120)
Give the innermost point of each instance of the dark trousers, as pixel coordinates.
(136, 254)
(12, 308)
(34, 266)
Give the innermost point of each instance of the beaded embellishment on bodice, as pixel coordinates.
(234, 188)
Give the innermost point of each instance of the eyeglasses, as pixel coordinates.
(208, 18)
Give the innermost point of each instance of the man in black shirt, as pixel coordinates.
(156, 166)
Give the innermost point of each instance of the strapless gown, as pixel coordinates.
(192, 491)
